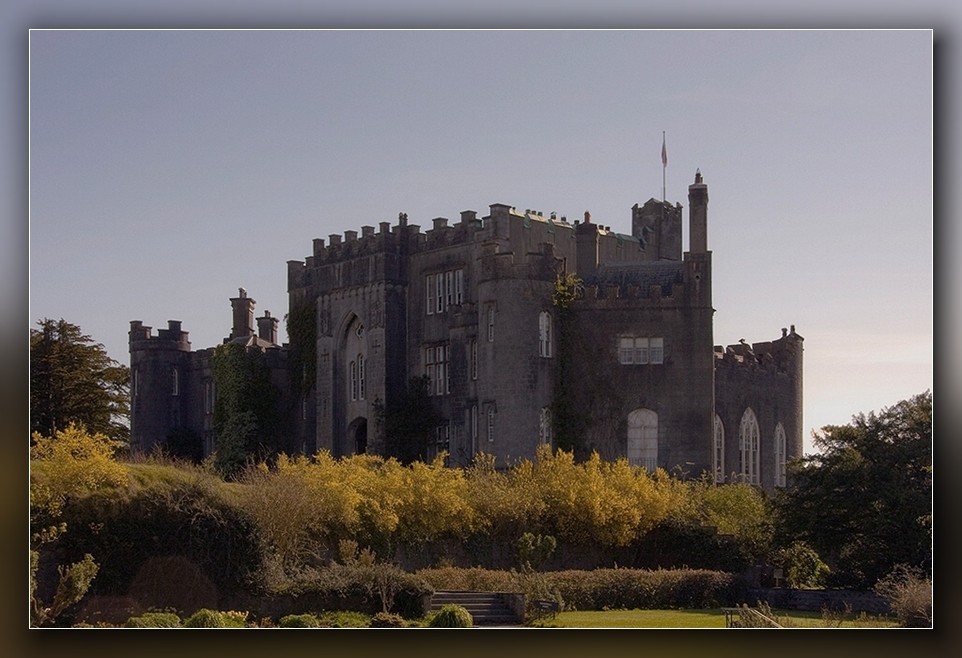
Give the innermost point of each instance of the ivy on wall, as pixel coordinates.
(245, 410)
(302, 338)
(569, 420)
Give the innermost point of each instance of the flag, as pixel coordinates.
(664, 151)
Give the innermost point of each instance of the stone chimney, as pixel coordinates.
(243, 315)
(267, 328)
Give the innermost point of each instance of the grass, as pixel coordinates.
(711, 618)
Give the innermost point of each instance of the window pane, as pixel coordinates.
(656, 350)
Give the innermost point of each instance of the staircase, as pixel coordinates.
(486, 608)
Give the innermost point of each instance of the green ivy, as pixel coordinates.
(245, 411)
(302, 338)
(570, 423)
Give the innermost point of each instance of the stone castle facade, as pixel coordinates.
(629, 364)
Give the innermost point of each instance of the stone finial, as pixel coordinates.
(698, 177)
(587, 217)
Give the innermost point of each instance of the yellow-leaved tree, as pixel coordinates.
(70, 463)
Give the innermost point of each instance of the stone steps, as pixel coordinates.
(486, 608)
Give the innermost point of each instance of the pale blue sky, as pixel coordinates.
(169, 168)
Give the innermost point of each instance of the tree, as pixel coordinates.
(72, 380)
(864, 502)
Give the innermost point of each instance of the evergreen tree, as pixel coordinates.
(72, 380)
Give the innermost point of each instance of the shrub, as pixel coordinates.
(801, 565)
(154, 620)
(452, 616)
(205, 618)
(909, 595)
(387, 620)
(306, 620)
(344, 619)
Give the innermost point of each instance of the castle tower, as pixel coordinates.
(159, 374)
(698, 215)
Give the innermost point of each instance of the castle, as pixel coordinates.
(625, 366)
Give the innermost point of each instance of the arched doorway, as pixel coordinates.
(357, 434)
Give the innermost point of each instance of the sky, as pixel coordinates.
(168, 168)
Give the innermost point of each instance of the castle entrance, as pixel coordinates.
(358, 433)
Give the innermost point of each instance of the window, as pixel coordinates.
(474, 359)
(443, 289)
(442, 442)
(436, 368)
(360, 377)
(544, 426)
(544, 334)
(656, 350)
(439, 293)
(174, 382)
(643, 439)
(640, 350)
(353, 380)
(430, 294)
(780, 446)
(474, 428)
(491, 323)
(748, 447)
(490, 424)
(718, 458)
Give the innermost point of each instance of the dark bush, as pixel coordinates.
(171, 541)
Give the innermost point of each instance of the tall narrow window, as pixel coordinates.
(474, 428)
(135, 385)
(360, 377)
(449, 287)
(780, 446)
(626, 351)
(458, 286)
(174, 382)
(544, 334)
(474, 359)
(491, 324)
(718, 455)
(643, 439)
(353, 370)
(439, 293)
(544, 426)
(437, 370)
(490, 424)
(429, 304)
(748, 447)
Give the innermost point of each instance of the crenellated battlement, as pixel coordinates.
(780, 355)
(171, 338)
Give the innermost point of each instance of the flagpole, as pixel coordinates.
(664, 165)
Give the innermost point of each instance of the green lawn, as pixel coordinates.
(713, 618)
